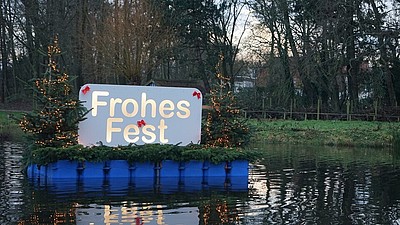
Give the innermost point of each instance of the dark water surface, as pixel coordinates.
(291, 185)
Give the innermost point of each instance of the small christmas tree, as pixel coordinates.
(54, 122)
(223, 126)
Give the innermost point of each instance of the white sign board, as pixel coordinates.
(124, 114)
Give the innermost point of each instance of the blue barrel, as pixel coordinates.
(239, 168)
(119, 168)
(170, 168)
(62, 169)
(214, 170)
(30, 171)
(36, 171)
(193, 168)
(142, 169)
(93, 170)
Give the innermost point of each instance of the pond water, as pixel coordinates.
(290, 185)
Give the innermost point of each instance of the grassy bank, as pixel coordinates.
(9, 129)
(337, 133)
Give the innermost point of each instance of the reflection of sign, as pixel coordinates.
(135, 214)
(122, 114)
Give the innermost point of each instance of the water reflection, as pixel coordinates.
(327, 186)
(11, 183)
(290, 185)
(195, 208)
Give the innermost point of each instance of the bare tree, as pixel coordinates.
(128, 40)
(227, 34)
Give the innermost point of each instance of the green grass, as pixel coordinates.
(314, 132)
(9, 129)
(337, 133)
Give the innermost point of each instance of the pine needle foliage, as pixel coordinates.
(139, 153)
(224, 127)
(54, 122)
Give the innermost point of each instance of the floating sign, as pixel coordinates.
(123, 114)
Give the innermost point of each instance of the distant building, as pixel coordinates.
(245, 80)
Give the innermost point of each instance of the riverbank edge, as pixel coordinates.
(371, 134)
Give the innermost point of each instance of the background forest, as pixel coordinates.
(295, 53)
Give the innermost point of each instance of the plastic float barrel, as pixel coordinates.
(191, 175)
(119, 168)
(35, 171)
(238, 168)
(214, 170)
(142, 169)
(62, 169)
(192, 168)
(237, 174)
(214, 174)
(168, 177)
(119, 177)
(93, 170)
(170, 168)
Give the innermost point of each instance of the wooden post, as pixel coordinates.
(291, 109)
(294, 104)
(318, 107)
(263, 106)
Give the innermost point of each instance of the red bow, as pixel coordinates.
(86, 89)
(141, 123)
(138, 221)
(198, 94)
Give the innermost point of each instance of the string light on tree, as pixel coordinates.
(55, 121)
(223, 125)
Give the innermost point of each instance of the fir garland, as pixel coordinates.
(139, 153)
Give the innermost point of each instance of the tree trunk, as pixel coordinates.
(12, 51)
(31, 16)
(4, 54)
(80, 37)
(289, 36)
(352, 61)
